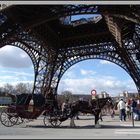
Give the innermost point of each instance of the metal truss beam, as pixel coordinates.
(53, 50)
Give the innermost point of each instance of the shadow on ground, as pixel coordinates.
(87, 127)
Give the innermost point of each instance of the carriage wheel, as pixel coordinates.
(47, 120)
(54, 120)
(19, 121)
(7, 118)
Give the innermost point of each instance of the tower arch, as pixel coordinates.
(54, 46)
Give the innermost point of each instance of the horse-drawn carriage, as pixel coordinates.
(22, 110)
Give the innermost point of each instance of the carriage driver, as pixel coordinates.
(51, 99)
(64, 107)
(94, 98)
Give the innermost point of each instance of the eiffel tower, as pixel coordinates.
(55, 41)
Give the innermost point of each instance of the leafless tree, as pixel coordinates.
(8, 88)
(23, 88)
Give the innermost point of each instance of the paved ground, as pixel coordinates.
(110, 129)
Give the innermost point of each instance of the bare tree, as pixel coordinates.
(1, 89)
(8, 88)
(67, 94)
(23, 88)
(29, 87)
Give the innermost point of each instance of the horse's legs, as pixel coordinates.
(72, 123)
(97, 121)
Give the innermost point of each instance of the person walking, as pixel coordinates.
(128, 110)
(134, 109)
(121, 107)
(133, 104)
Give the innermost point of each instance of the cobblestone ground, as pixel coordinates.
(110, 129)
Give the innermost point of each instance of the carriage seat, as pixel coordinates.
(23, 100)
(39, 100)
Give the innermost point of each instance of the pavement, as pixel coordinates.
(110, 129)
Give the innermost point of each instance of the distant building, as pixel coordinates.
(103, 94)
(90, 20)
(5, 100)
(125, 94)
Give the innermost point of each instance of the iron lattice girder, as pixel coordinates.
(103, 51)
(47, 35)
(120, 29)
(68, 57)
(33, 15)
(54, 47)
(33, 48)
(44, 15)
(53, 14)
(87, 40)
(116, 27)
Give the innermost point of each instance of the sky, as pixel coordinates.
(100, 75)
(16, 66)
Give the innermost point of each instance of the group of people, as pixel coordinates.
(126, 108)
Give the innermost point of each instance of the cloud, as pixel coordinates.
(70, 74)
(105, 62)
(14, 57)
(14, 78)
(109, 84)
(87, 72)
(2, 83)
(16, 73)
